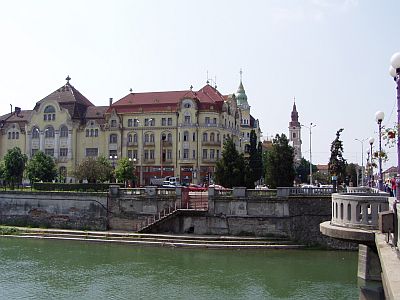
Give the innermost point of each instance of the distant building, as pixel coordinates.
(295, 134)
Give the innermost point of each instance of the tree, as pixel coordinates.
(279, 166)
(302, 170)
(255, 165)
(351, 174)
(230, 169)
(93, 170)
(125, 171)
(41, 168)
(337, 164)
(2, 172)
(14, 164)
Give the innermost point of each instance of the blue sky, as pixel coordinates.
(333, 56)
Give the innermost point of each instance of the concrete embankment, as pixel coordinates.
(160, 240)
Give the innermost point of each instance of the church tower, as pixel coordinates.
(295, 133)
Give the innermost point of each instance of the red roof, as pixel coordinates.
(168, 101)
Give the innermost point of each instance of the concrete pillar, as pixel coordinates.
(56, 143)
(369, 266)
(211, 194)
(364, 211)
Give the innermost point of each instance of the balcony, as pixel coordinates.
(149, 144)
(166, 144)
(211, 143)
(132, 144)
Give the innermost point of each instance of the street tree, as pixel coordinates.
(279, 165)
(230, 170)
(93, 170)
(125, 171)
(255, 164)
(302, 170)
(41, 167)
(14, 164)
(337, 164)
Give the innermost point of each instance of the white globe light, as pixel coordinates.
(395, 60)
(392, 71)
(379, 115)
(371, 140)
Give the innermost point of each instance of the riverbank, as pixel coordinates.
(156, 240)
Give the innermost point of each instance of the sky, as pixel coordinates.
(332, 56)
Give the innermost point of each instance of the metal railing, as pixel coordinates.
(301, 191)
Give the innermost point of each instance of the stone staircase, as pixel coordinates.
(162, 240)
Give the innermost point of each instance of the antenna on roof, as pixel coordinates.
(215, 82)
(207, 78)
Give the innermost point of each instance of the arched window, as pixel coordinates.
(146, 138)
(17, 135)
(135, 139)
(92, 132)
(9, 135)
(212, 137)
(64, 131)
(35, 133)
(217, 137)
(205, 137)
(113, 138)
(129, 138)
(49, 113)
(169, 137)
(13, 135)
(49, 132)
(49, 109)
(151, 138)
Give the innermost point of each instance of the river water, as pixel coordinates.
(43, 269)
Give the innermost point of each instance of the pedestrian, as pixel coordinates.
(393, 184)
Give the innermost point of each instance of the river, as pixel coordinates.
(43, 269)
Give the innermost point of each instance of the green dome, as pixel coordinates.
(241, 96)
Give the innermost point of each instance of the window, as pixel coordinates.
(163, 122)
(194, 154)
(187, 105)
(212, 154)
(218, 138)
(34, 151)
(17, 135)
(96, 132)
(87, 132)
(35, 133)
(135, 122)
(212, 137)
(9, 135)
(169, 154)
(64, 131)
(205, 137)
(146, 138)
(92, 132)
(169, 121)
(194, 136)
(113, 138)
(207, 120)
(151, 153)
(217, 154)
(49, 132)
(130, 123)
(130, 138)
(169, 137)
(49, 113)
(294, 135)
(205, 153)
(63, 152)
(146, 154)
(151, 138)
(215, 121)
(185, 153)
(135, 139)
(49, 109)
(90, 152)
(49, 152)
(186, 136)
(187, 119)
(149, 122)
(113, 154)
(113, 123)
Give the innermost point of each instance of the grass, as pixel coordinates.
(6, 230)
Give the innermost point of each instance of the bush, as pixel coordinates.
(76, 187)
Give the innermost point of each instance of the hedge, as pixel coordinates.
(77, 187)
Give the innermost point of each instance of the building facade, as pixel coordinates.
(176, 133)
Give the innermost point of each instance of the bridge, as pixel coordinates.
(369, 217)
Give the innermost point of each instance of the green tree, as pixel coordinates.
(255, 164)
(125, 171)
(302, 171)
(351, 174)
(230, 169)
(337, 164)
(93, 170)
(104, 169)
(279, 166)
(14, 164)
(2, 171)
(41, 168)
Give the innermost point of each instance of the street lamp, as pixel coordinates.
(395, 73)
(362, 160)
(310, 127)
(379, 115)
(133, 161)
(113, 158)
(371, 142)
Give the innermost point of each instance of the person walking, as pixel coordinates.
(393, 184)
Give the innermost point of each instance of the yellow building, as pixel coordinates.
(177, 133)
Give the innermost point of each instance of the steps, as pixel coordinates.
(163, 240)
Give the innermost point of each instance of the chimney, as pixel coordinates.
(111, 100)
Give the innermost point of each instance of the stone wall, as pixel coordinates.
(58, 210)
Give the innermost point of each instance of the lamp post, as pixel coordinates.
(362, 160)
(371, 142)
(395, 73)
(113, 158)
(379, 115)
(309, 128)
